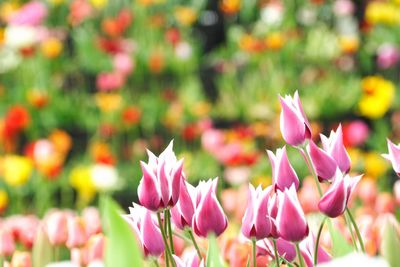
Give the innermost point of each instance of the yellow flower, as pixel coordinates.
(201, 109)
(16, 169)
(230, 7)
(275, 41)
(349, 44)
(7, 9)
(382, 12)
(81, 180)
(99, 4)
(3, 200)
(375, 165)
(51, 47)
(377, 97)
(185, 15)
(108, 102)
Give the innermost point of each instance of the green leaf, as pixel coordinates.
(213, 256)
(122, 249)
(42, 252)
(390, 244)
(340, 246)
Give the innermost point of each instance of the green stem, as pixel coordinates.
(276, 253)
(167, 215)
(357, 230)
(301, 260)
(168, 254)
(156, 263)
(353, 238)
(317, 241)
(304, 152)
(253, 242)
(195, 243)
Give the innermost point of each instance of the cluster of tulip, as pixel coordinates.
(28, 241)
(274, 220)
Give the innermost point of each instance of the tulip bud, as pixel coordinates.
(7, 243)
(56, 228)
(91, 217)
(283, 173)
(182, 213)
(209, 216)
(334, 202)
(256, 222)
(323, 163)
(393, 156)
(294, 125)
(335, 148)
(76, 232)
(95, 247)
(160, 184)
(290, 221)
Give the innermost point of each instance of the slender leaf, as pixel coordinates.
(42, 252)
(340, 246)
(390, 245)
(213, 256)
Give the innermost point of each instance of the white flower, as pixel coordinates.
(356, 259)
(104, 177)
(9, 59)
(20, 36)
(183, 50)
(272, 14)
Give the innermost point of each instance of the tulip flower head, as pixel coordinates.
(146, 229)
(160, 185)
(256, 222)
(182, 213)
(290, 221)
(323, 163)
(209, 216)
(307, 250)
(333, 145)
(294, 124)
(56, 227)
(283, 173)
(284, 248)
(393, 156)
(334, 202)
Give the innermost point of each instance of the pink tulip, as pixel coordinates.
(191, 259)
(284, 248)
(123, 63)
(95, 247)
(290, 221)
(182, 213)
(77, 236)
(256, 223)
(21, 259)
(56, 228)
(31, 14)
(334, 202)
(110, 81)
(160, 184)
(393, 156)
(396, 190)
(343, 7)
(388, 55)
(272, 213)
(209, 216)
(283, 174)
(7, 243)
(323, 163)
(146, 229)
(335, 148)
(91, 217)
(355, 133)
(294, 124)
(307, 249)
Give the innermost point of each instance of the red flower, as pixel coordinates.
(131, 115)
(16, 120)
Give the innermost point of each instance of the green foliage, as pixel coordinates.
(213, 255)
(42, 252)
(390, 245)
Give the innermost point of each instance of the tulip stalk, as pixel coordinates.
(168, 254)
(301, 260)
(317, 241)
(276, 252)
(195, 243)
(307, 158)
(356, 229)
(167, 216)
(349, 225)
(253, 242)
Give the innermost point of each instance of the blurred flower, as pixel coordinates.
(102, 153)
(79, 11)
(99, 4)
(21, 259)
(56, 227)
(275, 41)
(123, 63)
(272, 13)
(355, 133)
(396, 191)
(108, 102)
(104, 177)
(16, 119)
(230, 7)
(156, 62)
(110, 81)
(19, 37)
(61, 140)
(185, 15)
(16, 170)
(382, 12)
(183, 50)
(367, 191)
(51, 47)
(76, 232)
(3, 200)
(349, 44)
(115, 27)
(38, 98)
(343, 7)
(131, 115)
(30, 14)
(375, 165)
(388, 55)
(377, 96)
(81, 180)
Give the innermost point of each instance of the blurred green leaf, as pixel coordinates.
(213, 255)
(390, 244)
(122, 249)
(42, 252)
(340, 246)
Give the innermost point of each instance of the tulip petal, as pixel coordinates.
(292, 126)
(151, 236)
(324, 164)
(333, 202)
(148, 192)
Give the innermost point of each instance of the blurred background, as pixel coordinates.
(87, 85)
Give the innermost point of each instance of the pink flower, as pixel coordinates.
(212, 140)
(77, 236)
(334, 202)
(343, 7)
(396, 190)
(146, 229)
(285, 248)
(324, 165)
(160, 185)
(56, 227)
(307, 249)
(7, 242)
(388, 55)
(123, 63)
(290, 221)
(294, 124)
(355, 133)
(21, 259)
(283, 174)
(91, 217)
(256, 222)
(110, 81)
(96, 247)
(335, 148)
(393, 156)
(183, 211)
(209, 216)
(31, 14)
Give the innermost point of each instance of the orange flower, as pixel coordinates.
(101, 153)
(156, 62)
(61, 141)
(131, 115)
(349, 44)
(275, 41)
(52, 47)
(185, 15)
(108, 102)
(230, 7)
(38, 98)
